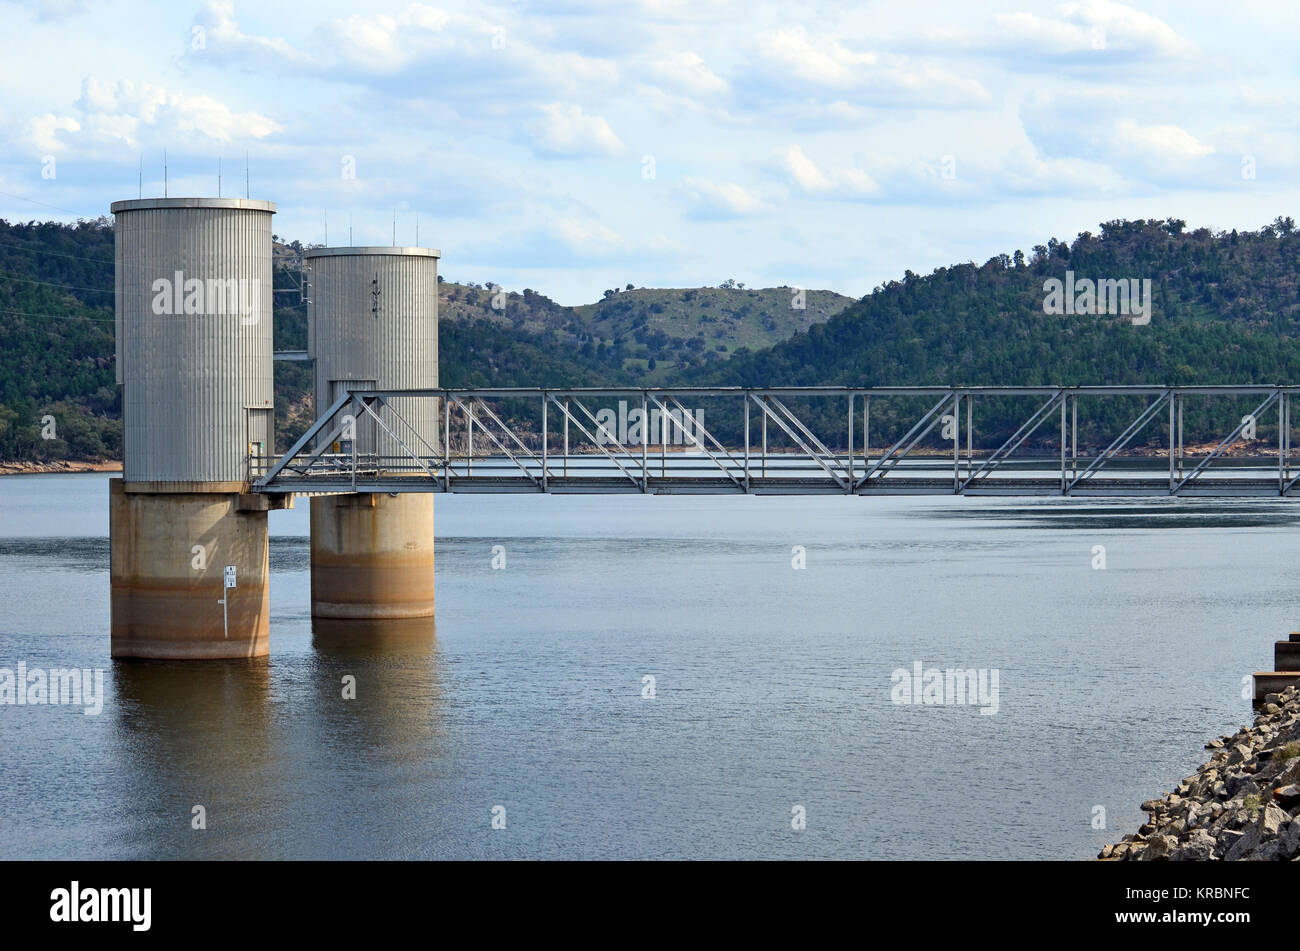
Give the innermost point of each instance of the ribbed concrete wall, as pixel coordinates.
(389, 339)
(194, 360)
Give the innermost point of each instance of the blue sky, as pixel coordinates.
(574, 146)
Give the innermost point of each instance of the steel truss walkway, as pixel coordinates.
(751, 441)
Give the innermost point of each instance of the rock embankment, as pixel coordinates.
(1243, 804)
(33, 468)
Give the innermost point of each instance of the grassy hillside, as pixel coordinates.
(676, 328)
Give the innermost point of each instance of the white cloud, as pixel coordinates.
(1161, 141)
(825, 62)
(687, 72)
(221, 35)
(804, 170)
(1090, 26)
(793, 62)
(470, 56)
(671, 105)
(587, 238)
(384, 44)
(42, 131)
(809, 177)
(566, 130)
(124, 113)
(709, 199)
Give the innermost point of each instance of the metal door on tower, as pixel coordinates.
(362, 428)
(260, 440)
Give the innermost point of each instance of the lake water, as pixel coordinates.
(772, 684)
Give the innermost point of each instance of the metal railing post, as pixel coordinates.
(956, 442)
(1065, 481)
(1281, 424)
(1173, 425)
(745, 396)
(970, 430)
(1074, 469)
(852, 465)
(866, 434)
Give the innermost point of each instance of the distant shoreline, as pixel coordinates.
(51, 468)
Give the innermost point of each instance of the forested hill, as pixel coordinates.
(1225, 310)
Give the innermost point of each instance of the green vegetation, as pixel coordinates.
(1225, 310)
(56, 342)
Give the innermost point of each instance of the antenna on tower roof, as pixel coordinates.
(140, 186)
(327, 227)
(218, 176)
(246, 192)
(164, 173)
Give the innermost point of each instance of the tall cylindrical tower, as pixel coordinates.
(194, 360)
(373, 323)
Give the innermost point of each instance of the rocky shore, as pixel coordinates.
(32, 468)
(1244, 804)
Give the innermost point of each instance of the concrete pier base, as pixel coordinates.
(1286, 655)
(1274, 681)
(169, 551)
(372, 556)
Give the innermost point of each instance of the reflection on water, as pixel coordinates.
(414, 635)
(385, 689)
(194, 734)
(1132, 514)
(259, 745)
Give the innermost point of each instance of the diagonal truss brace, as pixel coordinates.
(597, 443)
(1122, 440)
(469, 415)
(889, 461)
(1014, 441)
(366, 406)
(696, 426)
(1231, 437)
(762, 402)
(312, 432)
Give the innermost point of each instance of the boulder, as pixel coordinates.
(1287, 796)
(1199, 847)
(1160, 847)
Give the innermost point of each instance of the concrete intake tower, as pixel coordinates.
(194, 360)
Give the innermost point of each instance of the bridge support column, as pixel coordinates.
(169, 552)
(372, 556)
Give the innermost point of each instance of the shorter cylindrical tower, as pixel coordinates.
(373, 324)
